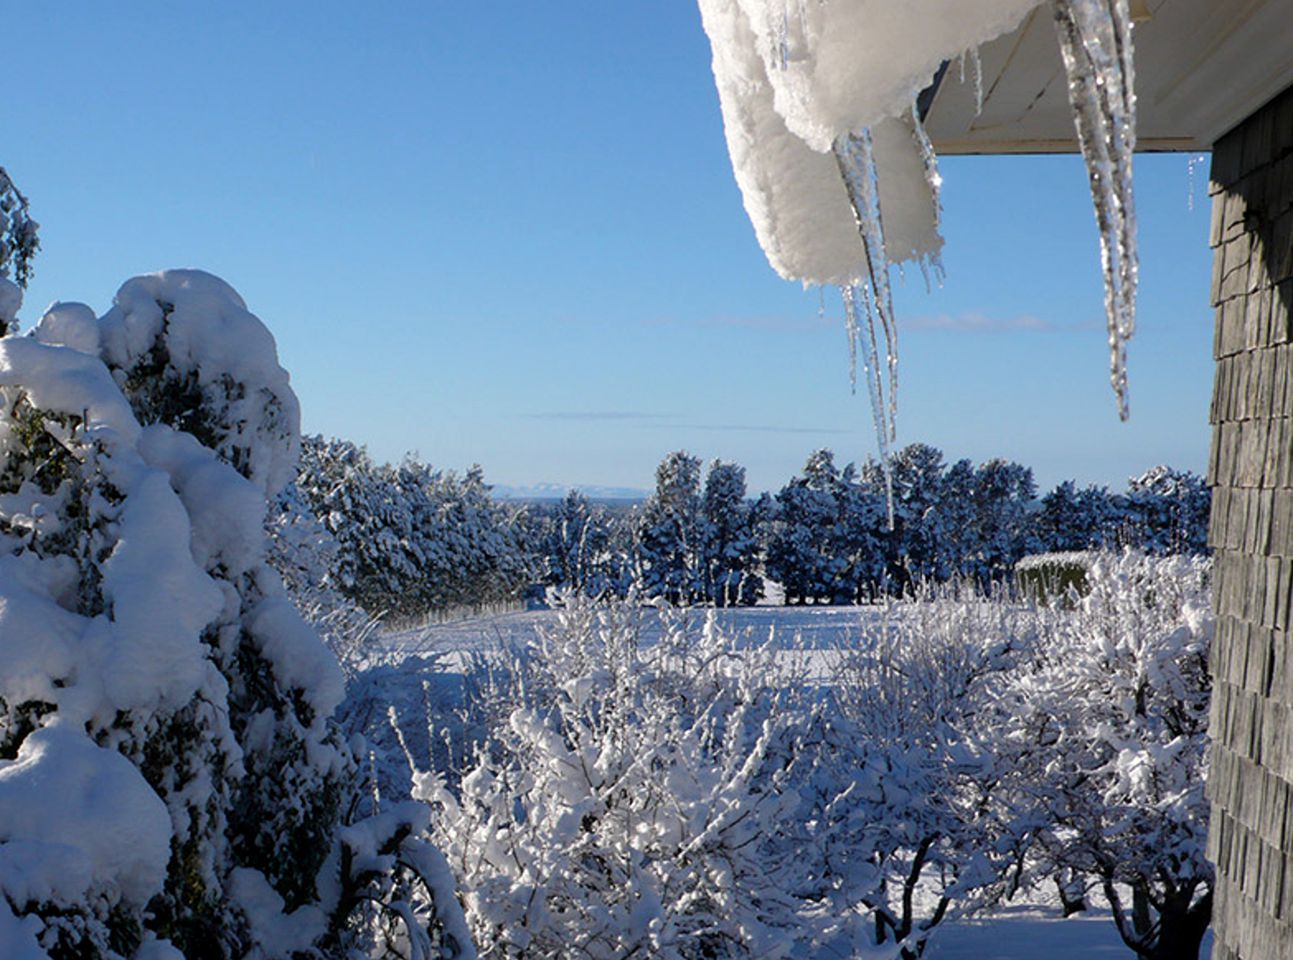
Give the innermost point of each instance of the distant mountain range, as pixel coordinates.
(556, 491)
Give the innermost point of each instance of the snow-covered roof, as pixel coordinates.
(795, 76)
(823, 114)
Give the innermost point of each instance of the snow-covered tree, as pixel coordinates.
(1002, 529)
(730, 547)
(18, 245)
(914, 544)
(1072, 519)
(1167, 511)
(803, 547)
(670, 532)
(170, 780)
(1105, 744)
(412, 539)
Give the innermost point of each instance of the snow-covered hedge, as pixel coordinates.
(170, 781)
(409, 539)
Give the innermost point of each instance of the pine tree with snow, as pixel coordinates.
(913, 547)
(1168, 511)
(1072, 519)
(805, 553)
(1003, 525)
(170, 781)
(579, 548)
(18, 245)
(670, 532)
(730, 547)
(411, 539)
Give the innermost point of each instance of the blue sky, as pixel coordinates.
(508, 233)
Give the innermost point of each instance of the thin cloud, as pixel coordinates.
(806, 323)
(582, 415)
(754, 428)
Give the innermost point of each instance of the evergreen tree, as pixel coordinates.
(18, 245)
(581, 548)
(1005, 495)
(804, 550)
(670, 532)
(1073, 519)
(1167, 511)
(730, 548)
(170, 778)
(411, 539)
(914, 545)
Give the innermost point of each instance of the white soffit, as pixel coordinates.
(1202, 66)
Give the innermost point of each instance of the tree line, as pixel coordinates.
(407, 539)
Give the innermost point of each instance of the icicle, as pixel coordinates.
(930, 161)
(856, 159)
(1095, 39)
(855, 156)
(978, 80)
(1191, 165)
(874, 382)
(853, 332)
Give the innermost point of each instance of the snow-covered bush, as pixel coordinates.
(631, 800)
(902, 773)
(306, 554)
(170, 781)
(1104, 736)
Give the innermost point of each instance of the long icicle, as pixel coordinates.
(1095, 40)
(855, 157)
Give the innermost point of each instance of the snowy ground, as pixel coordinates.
(811, 628)
(1020, 932)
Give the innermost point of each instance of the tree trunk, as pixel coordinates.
(1181, 930)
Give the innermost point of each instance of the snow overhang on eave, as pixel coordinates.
(1202, 66)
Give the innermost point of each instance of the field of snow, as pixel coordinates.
(1023, 931)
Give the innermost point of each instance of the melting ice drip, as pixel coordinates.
(1095, 39)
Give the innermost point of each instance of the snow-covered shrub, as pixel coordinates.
(631, 802)
(170, 780)
(902, 772)
(1103, 735)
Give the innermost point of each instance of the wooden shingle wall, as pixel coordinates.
(1251, 472)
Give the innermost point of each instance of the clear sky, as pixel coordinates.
(508, 233)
